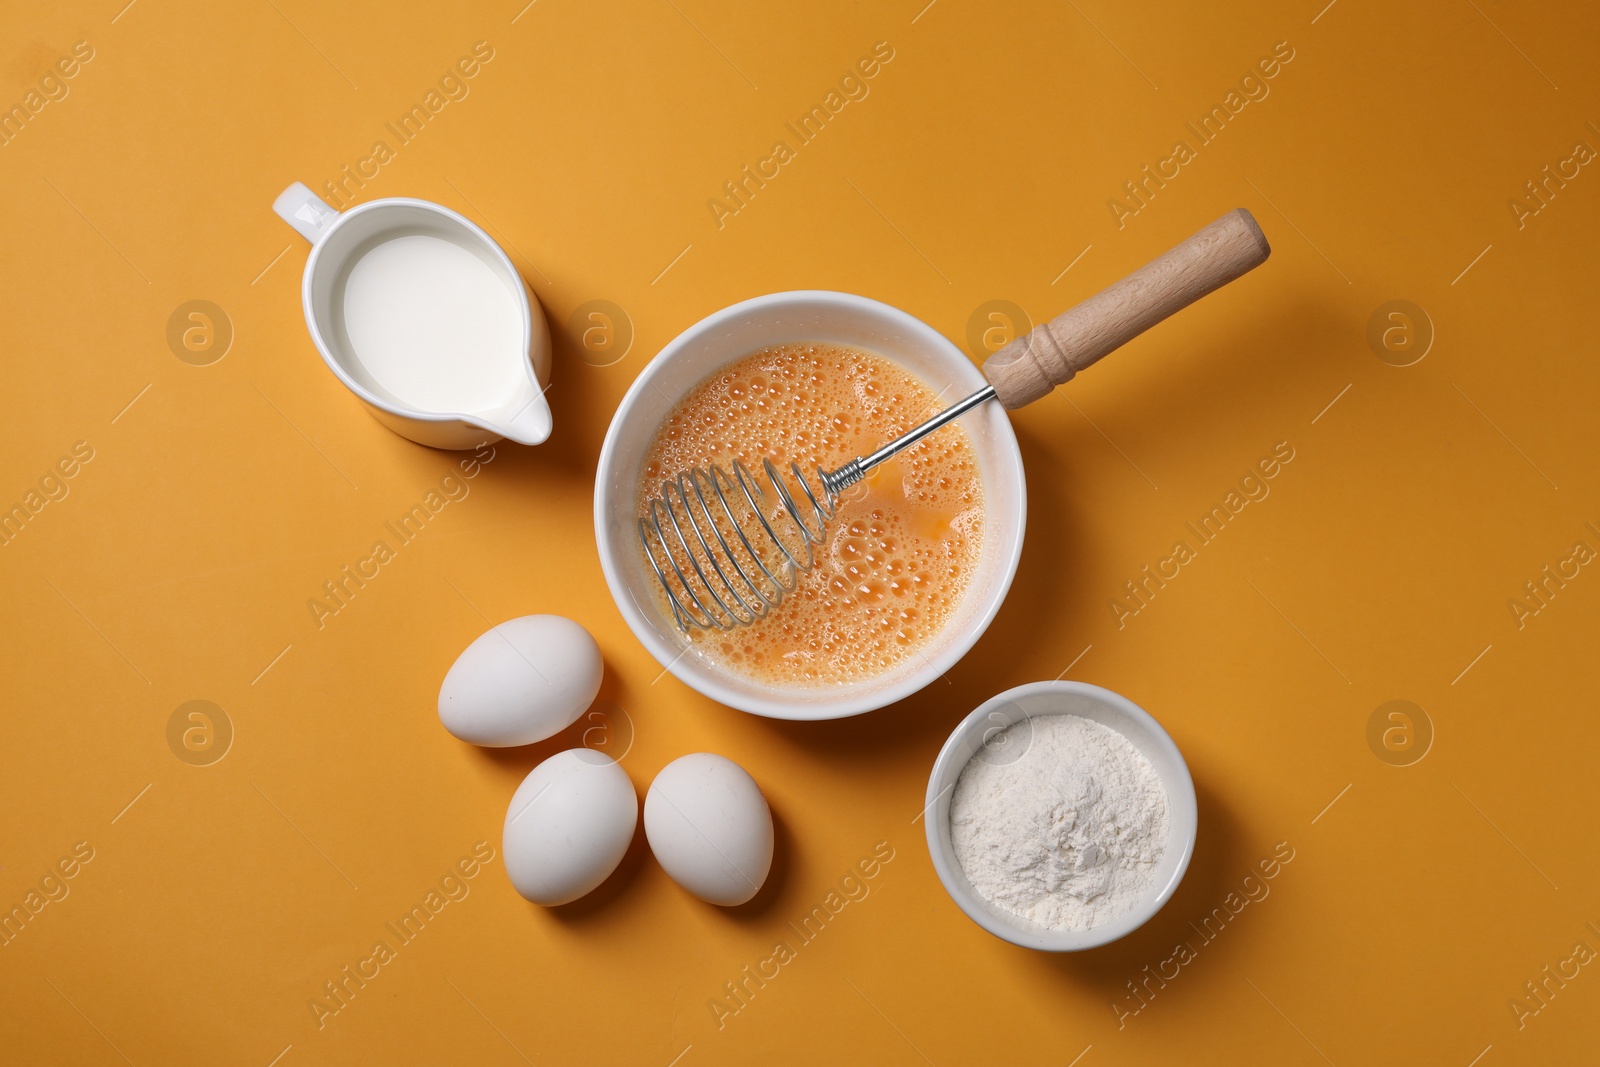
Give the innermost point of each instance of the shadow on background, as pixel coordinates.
(1255, 373)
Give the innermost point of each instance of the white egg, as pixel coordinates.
(710, 828)
(523, 681)
(568, 826)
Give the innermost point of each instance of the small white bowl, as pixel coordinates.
(731, 334)
(1087, 702)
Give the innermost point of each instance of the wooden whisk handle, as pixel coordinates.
(1032, 365)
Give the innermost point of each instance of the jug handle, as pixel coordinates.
(305, 211)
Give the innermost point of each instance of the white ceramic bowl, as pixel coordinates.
(729, 335)
(1087, 702)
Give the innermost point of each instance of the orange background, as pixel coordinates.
(220, 898)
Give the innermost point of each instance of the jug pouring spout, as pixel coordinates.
(528, 423)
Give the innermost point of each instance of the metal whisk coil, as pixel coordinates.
(735, 582)
(715, 574)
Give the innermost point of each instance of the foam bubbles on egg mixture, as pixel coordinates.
(903, 545)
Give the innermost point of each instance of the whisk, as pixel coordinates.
(727, 551)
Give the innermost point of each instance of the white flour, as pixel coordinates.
(1059, 820)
